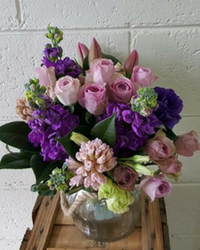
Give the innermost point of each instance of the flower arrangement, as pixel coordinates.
(97, 124)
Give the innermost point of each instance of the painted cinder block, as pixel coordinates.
(173, 55)
(16, 207)
(183, 206)
(108, 14)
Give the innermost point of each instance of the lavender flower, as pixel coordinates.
(49, 124)
(132, 129)
(170, 106)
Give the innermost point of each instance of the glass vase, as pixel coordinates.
(93, 219)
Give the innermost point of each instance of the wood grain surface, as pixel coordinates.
(53, 231)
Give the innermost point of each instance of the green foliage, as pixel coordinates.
(69, 145)
(54, 34)
(105, 130)
(42, 189)
(42, 169)
(15, 161)
(15, 134)
(85, 65)
(34, 92)
(170, 134)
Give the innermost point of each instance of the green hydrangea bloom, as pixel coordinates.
(145, 101)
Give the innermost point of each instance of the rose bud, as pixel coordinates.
(125, 177)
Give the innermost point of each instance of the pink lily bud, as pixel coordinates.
(82, 52)
(95, 51)
(131, 61)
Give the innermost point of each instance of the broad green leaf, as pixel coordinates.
(15, 161)
(42, 169)
(71, 147)
(105, 130)
(15, 134)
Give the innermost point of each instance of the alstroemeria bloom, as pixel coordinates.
(160, 147)
(155, 187)
(93, 97)
(120, 89)
(101, 70)
(67, 89)
(143, 76)
(170, 165)
(125, 177)
(187, 144)
(47, 78)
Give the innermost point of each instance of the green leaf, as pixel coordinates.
(42, 169)
(170, 134)
(43, 190)
(85, 64)
(69, 145)
(112, 58)
(105, 130)
(72, 108)
(15, 161)
(15, 134)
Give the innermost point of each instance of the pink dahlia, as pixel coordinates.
(94, 158)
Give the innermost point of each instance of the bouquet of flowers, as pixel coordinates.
(97, 124)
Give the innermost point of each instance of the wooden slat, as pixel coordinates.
(36, 207)
(152, 234)
(165, 228)
(25, 240)
(68, 237)
(63, 220)
(53, 231)
(43, 223)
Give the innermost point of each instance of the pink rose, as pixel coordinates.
(120, 89)
(67, 89)
(187, 144)
(47, 78)
(125, 177)
(101, 70)
(155, 187)
(170, 165)
(143, 76)
(159, 148)
(93, 97)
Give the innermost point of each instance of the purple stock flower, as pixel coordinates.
(52, 53)
(63, 67)
(49, 124)
(132, 129)
(170, 106)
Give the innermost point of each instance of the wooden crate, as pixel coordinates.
(53, 231)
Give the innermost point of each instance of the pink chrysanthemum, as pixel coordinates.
(94, 158)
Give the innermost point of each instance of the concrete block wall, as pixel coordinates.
(166, 34)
